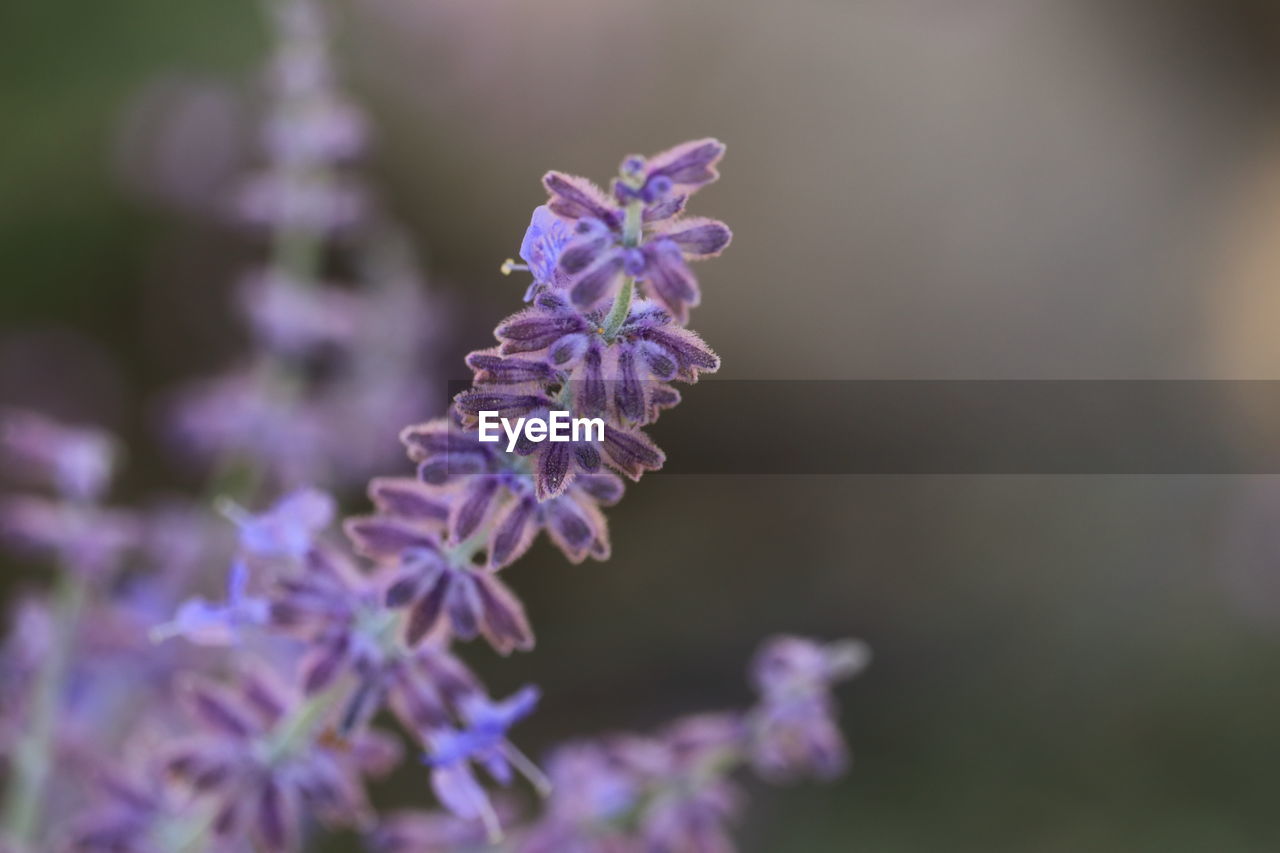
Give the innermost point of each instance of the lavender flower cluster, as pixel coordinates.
(329, 357)
(144, 714)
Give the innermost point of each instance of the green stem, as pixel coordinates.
(632, 227)
(33, 760)
(296, 730)
(187, 835)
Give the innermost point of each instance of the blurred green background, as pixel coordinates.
(919, 189)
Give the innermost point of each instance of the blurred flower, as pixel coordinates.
(297, 318)
(795, 727)
(84, 539)
(77, 462)
(483, 741)
(218, 624)
(288, 529)
(259, 764)
(635, 233)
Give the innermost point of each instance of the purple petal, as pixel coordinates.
(699, 237)
(686, 347)
(585, 250)
(404, 589)
(323, 664)
(553, 469)
(568, 349)
(535, 329)
(590, 395)
(491, 368)
(575, 198)
(691, 164)
(506, 405)
(407, 498)
(503, 622)
(631, 452)
(606, 489)
(436, 438)
(665, 208)
(463, 604)
(213, 708)
(599, 282)
(669, 280)
(474, 507)
(587, 457)
(276, 819)
(376, 536)
(628, 393)
(660, 361)
(426, 613)
(513, 534)
(569, 525)
(459, 791)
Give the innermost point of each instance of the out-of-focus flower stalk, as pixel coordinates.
(297, 249)
(33, 759)
(631, 232)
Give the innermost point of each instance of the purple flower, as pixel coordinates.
(593, 793)
(627, 380)
(652, 247)
(209, 624)
(247, 761)
(436, 587)
(543, 242)
(297, 318)
(486, 488)
(288, 529)
(483, 741)
(82, 538)
(795, 727)
(284, 202)
(76, 461)
(551, 357)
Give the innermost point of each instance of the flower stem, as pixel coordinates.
(631, 231)
(296, 729)
(33, 760)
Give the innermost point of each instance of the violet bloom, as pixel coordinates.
(134, 809)
(82, 538)
(77, 462)
(209, 624)
(431, 533)
(795, 731)
(572, 350)
(338, 614)
(483, 741)
(593, 794)
(295, 318)
(258, 765)
(607, 246)
(312, 129)
(243, 416)
(288, 529)
(543, 242)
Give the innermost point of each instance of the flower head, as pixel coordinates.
(259, 765)
(76, 461)
(795, 727)
(288, 529)
(210, 624)
(482, 740)
(606, 247)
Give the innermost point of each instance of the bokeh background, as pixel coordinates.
(919, 189)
